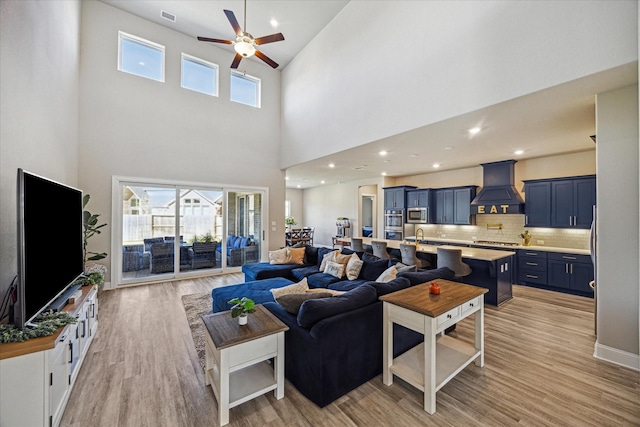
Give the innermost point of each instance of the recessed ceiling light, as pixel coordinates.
(332, 165)
(415, 155)
(386, 161)
(287, 178)
(322, 182)
(436, 165)
(383, 174)
(383, 153)
(298, 185)
(448, 148)
(358, 168)
(518, 152)
(274, 23)
(473, 131)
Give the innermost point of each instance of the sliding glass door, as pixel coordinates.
(167, 231)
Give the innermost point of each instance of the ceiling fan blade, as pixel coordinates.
(236, 61)
(207, 39)
(266, 59)
(269, 39)
(234, 22)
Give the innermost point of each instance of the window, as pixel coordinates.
(245, 89)
(140, 57)
(199, 75)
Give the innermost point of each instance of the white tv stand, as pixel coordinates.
(36, 376)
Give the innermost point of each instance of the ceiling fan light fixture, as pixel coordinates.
(244, 47)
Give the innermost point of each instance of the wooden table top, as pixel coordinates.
(225, 330)
(417, 298)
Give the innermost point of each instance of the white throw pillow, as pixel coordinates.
(331, 256)
(388, 275)
(334, 269)
(354, 266)
(295, 288)
(281, 256)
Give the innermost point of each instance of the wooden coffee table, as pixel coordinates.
(431, 364)
(237, 358)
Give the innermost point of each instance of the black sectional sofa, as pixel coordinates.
(334, 344)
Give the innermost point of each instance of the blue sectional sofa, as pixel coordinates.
(333, 344)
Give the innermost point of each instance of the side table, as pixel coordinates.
(237, 366)
(431, 364)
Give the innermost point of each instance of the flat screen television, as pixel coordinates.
(50, 243)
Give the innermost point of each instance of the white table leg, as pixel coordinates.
(223, 388)
(387, 345)
(479, 341)
(429, 365)
(279, 367)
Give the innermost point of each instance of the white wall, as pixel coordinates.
(618, 271)
(136, 127)
(408, 66)
(39, 70)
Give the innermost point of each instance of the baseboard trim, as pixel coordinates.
(619, 357)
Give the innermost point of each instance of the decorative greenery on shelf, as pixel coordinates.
(94, 278)
(242, 306)
(46, 324)
(290, 220)
(91, 228)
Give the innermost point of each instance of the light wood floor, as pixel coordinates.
(142, 370)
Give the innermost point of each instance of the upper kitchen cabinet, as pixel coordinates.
(560, 202)
(537, 207)
(418, 198)
(453, 205)
(394, 197)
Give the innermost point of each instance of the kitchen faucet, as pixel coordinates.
(418, 233)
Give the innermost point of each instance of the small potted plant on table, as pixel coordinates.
(242, 307)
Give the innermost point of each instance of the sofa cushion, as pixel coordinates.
(402, 268)
(314, 310)
(347, 285)
(427, 275)
(310, 254)
(388, 275)
(334, 256)
(321, 253)
(301, 272)
(397, 284)
(231, 240)
(259, 291)
(296, 255)
(292, 302)
(321, 280)
(354, 266)
(372, 267)
(294, 288)
(264, 270)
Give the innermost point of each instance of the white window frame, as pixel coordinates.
(187, 57)
(122, 35)
(252, 79)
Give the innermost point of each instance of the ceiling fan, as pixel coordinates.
(245, 44)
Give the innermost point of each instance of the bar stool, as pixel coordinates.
(380, 249)
(452, 258)
(356, 244)
(408, 254)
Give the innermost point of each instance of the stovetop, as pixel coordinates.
(489, 242)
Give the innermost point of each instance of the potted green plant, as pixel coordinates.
(526, 238)
(242, 307)
(91, 227)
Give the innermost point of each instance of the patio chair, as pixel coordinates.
(161, 258)
(203, 255)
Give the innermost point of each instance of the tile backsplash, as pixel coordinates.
(512, 225)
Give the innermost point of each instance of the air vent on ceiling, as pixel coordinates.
(168, 16)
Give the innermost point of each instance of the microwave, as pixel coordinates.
(417, 215)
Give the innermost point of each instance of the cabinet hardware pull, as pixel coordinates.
(448, 316)
(526, 219)
(531, 276)
(471, 304)
(574, 221)
(70, 352)
(531, 253)
(566, 268)
(568, 257)
(570, 220)
(532, 263)
(571, 268)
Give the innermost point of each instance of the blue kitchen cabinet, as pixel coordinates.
(560, 202)
(453, 205)
(537, 207)
(570, 271)
(418, 198)
(394, 197)
(444, 206)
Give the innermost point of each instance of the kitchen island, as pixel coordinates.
(491, 268)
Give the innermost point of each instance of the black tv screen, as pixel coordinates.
(50, 243)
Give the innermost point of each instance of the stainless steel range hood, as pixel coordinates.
(498, 194)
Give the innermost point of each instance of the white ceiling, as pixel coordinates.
(555, 121)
